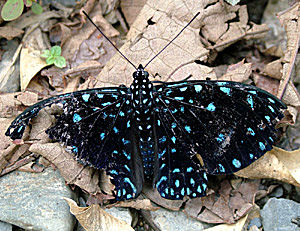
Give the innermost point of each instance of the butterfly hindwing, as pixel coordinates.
(179, 172)
(228, 124)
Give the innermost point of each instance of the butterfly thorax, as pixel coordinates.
(142, 101)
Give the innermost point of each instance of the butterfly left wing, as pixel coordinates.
(227, 125)
(96, 126)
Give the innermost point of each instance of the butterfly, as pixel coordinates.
(172, 134)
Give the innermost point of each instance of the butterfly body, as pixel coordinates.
(171, 134)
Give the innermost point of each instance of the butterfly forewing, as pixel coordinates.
(96, 126)
(228, 124)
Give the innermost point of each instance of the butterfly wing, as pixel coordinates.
(227, 125)
(179, 172)
(96, 126)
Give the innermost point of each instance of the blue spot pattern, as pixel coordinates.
(128, 132)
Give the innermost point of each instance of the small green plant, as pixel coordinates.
(12, 9)
(53, 56)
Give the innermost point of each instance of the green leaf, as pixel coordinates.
(46, 54)
(12, 9)
(50, 60)
(36, 8)
(55, 51)
(60, 62)
(233, 2)
(27, 3)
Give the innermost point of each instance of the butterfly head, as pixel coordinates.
(140, 74)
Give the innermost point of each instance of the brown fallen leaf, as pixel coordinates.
(94, 218)
(276, 164)
(234, 227)
(72, 171)
(227, 205)
(290, 20)
(239, 72)
(138, 204)
(30, 64)
(154, 196)
(9, 32)
(28, 98)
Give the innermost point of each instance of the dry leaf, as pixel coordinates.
(225, 206)
(290, 20)
(276, 164)
(93, 218)
(154, 196)
(131, 9)
(234, 227)
(9, 32)
(138, 204)
(238, 72)
(273, 69)
(30, 64)
(28, 98)
(73, 172)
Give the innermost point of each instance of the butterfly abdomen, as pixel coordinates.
(142, 101)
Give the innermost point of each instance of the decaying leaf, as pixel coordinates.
(276, 164)
(234, 227)
(9, 32)
(290, 20)
(138, 204)
(72, 171)
(227, 205)
(28, 98)
(93, 218)
(30, 64)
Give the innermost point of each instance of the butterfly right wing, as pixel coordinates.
(96, 126)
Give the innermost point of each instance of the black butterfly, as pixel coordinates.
(172, 134)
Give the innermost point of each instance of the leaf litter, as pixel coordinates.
(144, 39)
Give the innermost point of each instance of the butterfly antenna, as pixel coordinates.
(109, 40)
(172, 39)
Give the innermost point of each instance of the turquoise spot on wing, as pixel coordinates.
(250, 100)
(76, 118)
(211, 107)
(183, 88)
(268, 118)
(178, 98)
(127, 180)
(221, 137)
(102, 135)
(271, 108)
(261, 146)
(187, 128)
(189, 169)
(271, 100)
(176, 170)
(251, 131)
(226, 90)
(163, 178)
(236, 163)
(86, 97)
(177, 183)
(192, 181)
(221, 168)
(198, 88)
(106, 104)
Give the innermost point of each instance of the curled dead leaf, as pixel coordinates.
(276, 164)
(94, 218)
(30, 64)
